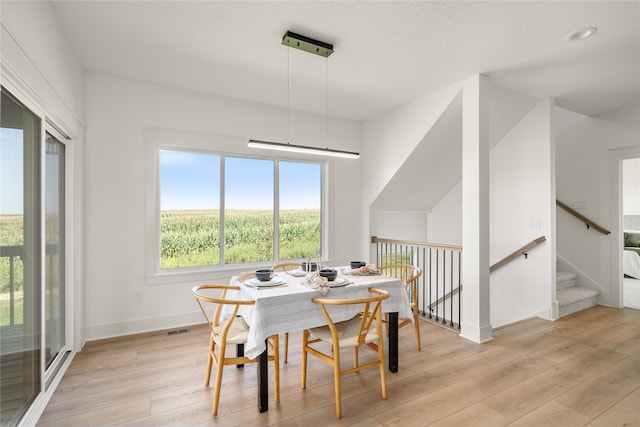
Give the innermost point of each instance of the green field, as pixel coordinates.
(192, 238)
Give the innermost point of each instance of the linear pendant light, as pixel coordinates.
(316, 47)
(254, 143)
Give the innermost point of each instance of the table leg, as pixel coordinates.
(240, 353)
(393, 342)
(263, 381)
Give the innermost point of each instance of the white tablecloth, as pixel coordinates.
(289, 308)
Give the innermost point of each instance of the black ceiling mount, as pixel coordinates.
(307, 44)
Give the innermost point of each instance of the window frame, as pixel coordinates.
(157, 140)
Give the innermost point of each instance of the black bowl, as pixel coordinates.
(329, 273)
(314, 266)
(264, 275)
(357, 264)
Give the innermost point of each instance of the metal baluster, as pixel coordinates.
(437, 280)
(444, 287)
(452, 296)
(12, 284)
(424, 281)
(430, 287)
(459, 289)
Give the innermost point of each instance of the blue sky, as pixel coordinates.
(12, 174)
(192, 181)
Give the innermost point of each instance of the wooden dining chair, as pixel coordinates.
(409, 274)
(227, 330)
(362, 330)
(286, 266)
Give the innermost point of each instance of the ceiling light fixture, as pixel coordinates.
(582, 34)
(254, 143)
(315, 47)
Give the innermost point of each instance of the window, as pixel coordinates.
(220, 209)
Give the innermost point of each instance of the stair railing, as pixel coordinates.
(515, 254)
(439, 288)
(587, 221)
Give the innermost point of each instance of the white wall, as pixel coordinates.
(118, 112)
(410, 226)
(445, 219)
(35, 50)
(388, 140)
(631, 187)
(586, 150)
(521, 203)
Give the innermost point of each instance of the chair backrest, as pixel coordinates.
(406, 272)
(214, 298)
(370, 312)
(287, 266)
(409, 274)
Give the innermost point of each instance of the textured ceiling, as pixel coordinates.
(387, 53)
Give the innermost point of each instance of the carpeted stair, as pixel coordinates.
(572, 297)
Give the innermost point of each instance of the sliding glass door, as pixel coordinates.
(20, 259)
(32, 247)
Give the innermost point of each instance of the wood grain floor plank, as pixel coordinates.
(474, 415)
(604, 390)
(626, 412)
(580, 369)
(552, 414)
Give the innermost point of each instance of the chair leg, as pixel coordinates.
(218, 383)
(212, 345)
(303, 375)
(416, 325)
(336, 382)
(383, 370)
(286, 346)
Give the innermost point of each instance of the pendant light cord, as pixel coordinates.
(288, 98)
(327, 103)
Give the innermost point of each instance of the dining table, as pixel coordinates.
(284, 304)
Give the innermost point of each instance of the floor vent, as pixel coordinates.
(179, 331)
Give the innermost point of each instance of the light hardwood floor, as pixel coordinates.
(583, 369)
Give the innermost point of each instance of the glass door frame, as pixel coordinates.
(74, 311)
(49, 372)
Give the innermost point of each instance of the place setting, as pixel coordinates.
(325, 279)
(263, 279)
(305, 267)
(361, 268)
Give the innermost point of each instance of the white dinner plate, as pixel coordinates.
(339, 281)
(276, 281)
(297, 272)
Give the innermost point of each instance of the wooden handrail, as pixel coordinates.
(582, 218)
(376, 239)
(515, 254)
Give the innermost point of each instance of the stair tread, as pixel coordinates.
(565, 275)
(573, 294)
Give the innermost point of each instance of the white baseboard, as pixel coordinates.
(475, 333)
(137, 326)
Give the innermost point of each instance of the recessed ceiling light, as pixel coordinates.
(582, 34)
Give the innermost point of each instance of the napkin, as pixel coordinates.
(367, 269)
(246, 276)
(318, 282)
